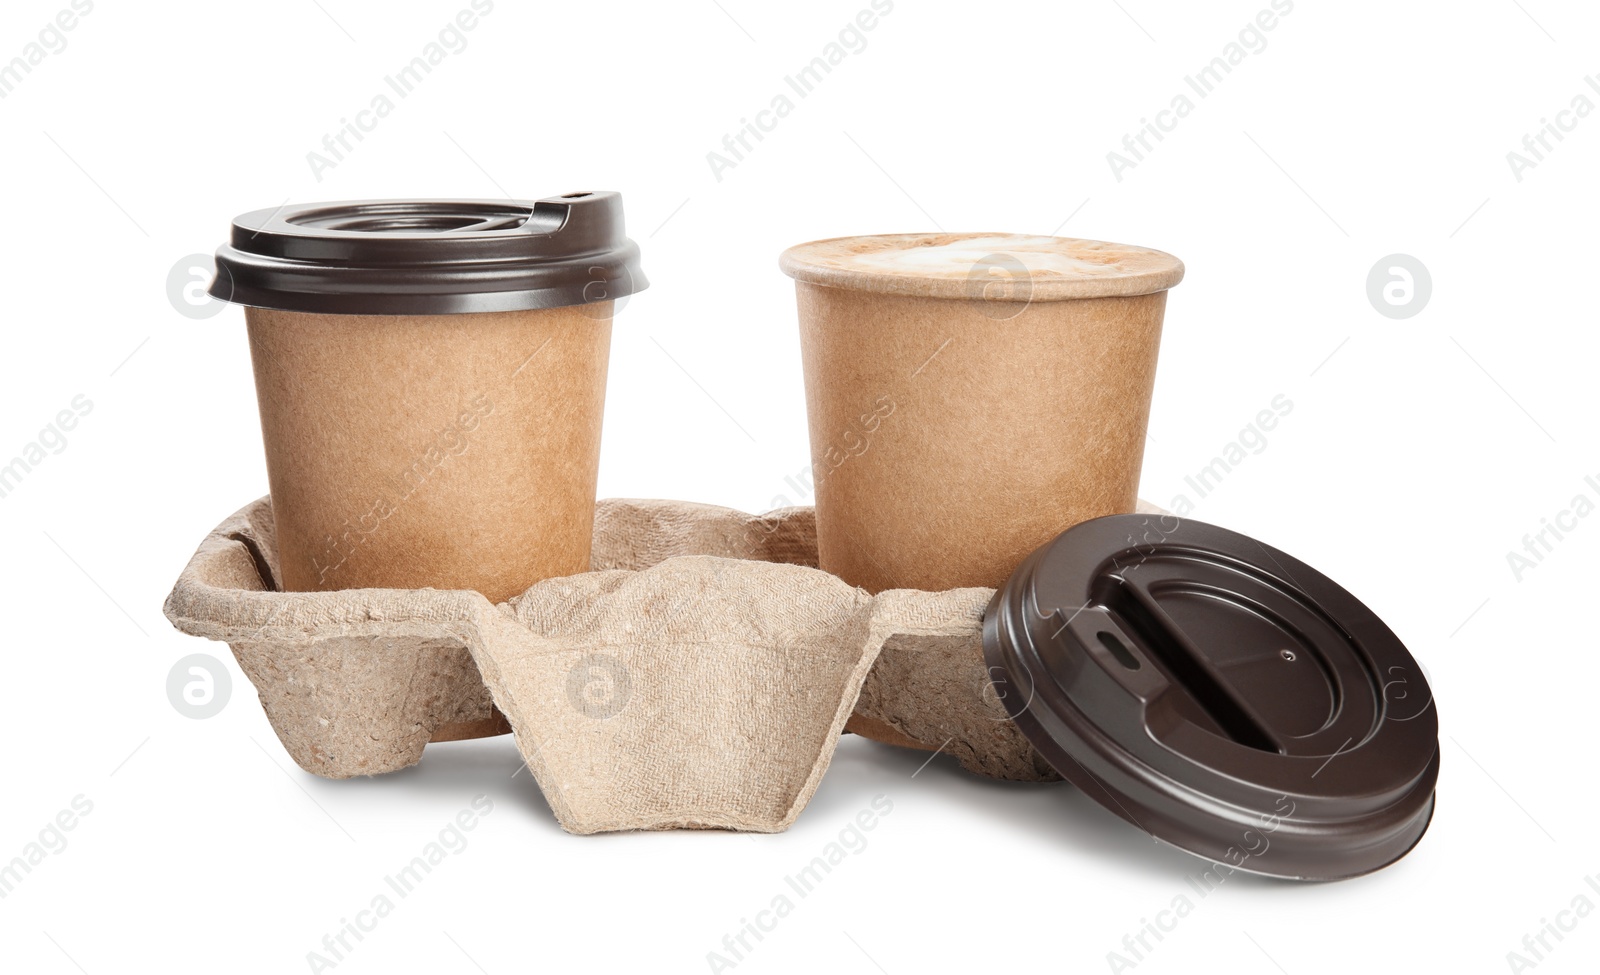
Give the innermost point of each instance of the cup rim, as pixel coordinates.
(1000, 273)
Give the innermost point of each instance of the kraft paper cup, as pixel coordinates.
(971, 396)
(431, 451)
(431, 377)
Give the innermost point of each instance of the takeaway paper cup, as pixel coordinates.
(431, 377)
(970, 396)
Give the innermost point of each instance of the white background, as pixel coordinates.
(1418, 454)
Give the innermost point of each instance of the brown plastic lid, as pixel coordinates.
(1219, 694)
(988, 267)
(430, 257)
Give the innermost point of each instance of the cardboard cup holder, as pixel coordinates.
(699, 676)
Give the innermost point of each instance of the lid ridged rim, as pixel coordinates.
(430, 256)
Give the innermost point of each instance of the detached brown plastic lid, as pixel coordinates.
(430, 257)
(983, 266)
(1219, 694)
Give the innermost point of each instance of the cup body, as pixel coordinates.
(445, 451)
(951, 437)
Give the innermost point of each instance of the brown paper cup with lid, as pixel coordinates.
(970, 396)
(431, 376)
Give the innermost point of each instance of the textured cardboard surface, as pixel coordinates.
(701, 691)
(456, 451)
(354, 683)
(951, 438)
(703, 632)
